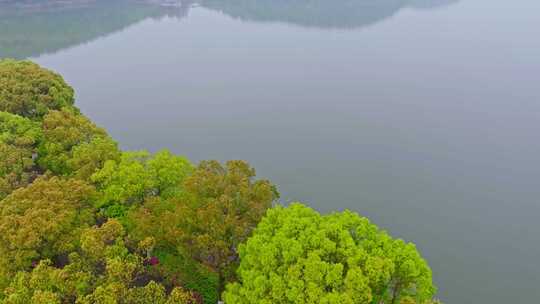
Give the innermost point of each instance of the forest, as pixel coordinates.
(82, 221)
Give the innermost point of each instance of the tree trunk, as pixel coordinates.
(395, 293)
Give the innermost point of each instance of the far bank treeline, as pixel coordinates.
(84, 222)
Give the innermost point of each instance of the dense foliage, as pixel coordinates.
(298, 256)
(83, 222)
(19, 138)
(28, 90)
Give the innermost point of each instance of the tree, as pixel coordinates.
(17, 130)
(123, 182)
(169, 172)
(137, 175)
(226, 203)
(114, 269)
(102, 270)
(404, 273)
(180, 296)
(125, 279)
(151, 293)
(159, 227)
(88, 157)
(43, 220)
(298, 256)
(19, 137)
(218, 208)
(31, 91)
(45, 284)
(73, 145)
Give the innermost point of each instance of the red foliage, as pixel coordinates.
(197, 298)
(153, 261)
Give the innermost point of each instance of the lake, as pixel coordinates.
(423, 115)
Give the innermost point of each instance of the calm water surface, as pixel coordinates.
(422, 115)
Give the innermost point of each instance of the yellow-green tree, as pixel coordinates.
(102, 270)
(19, 138)
(137, 176)
(28, 90)
(218, 209)
(298, 256)
(73, 145)
(43, 220)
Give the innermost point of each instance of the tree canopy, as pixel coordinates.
(298, 256)
(19, 138)
(43, 221)
(102, 271)
(134, 176)
(73, 145)
(30, 91)
(218, 209)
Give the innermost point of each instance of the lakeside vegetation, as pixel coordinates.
(83, 222)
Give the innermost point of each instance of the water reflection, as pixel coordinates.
(430, 4)
(32, 28)
(319, 13)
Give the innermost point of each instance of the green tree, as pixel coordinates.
(218, 209)
(225, 205)
(180, 296)
(104, 254)
(73, 145)
(88, 157)
(29, 90)
(44, 284)
(43, 220)
(151, 293)
(102, 270)
(138, 175)
(18, 130)
(125, 181)
(298, 256)
(168, 171)
(19, 137)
